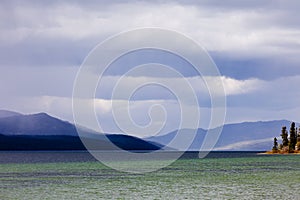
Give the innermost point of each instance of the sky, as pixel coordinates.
(255, 45)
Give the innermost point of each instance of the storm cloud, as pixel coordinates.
(255, 45)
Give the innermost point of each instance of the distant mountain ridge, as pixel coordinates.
(7, 113)
(245, 136)
(43, 132)
(35, 124)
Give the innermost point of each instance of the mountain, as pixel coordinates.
(251, 135)
(7, 113)
(246, 136)
(44, 132)
(63, 142)
(36, 124)
(165, 139)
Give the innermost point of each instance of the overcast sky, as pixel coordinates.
(255, 44)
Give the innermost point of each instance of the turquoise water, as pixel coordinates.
(237, 177)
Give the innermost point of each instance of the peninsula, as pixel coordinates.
(290, 143)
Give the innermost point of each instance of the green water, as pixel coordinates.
(259, 177)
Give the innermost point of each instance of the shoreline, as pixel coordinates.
(278, 153)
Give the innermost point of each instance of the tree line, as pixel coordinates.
(290, 143)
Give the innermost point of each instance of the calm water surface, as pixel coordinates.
(76, 175)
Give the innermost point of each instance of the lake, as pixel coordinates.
(77, 175)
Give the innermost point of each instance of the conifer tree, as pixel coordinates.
(284, 135)
(298, 139)
(293, 139)
(298, 135)
(275, 146)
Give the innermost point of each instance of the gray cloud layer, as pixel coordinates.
(255, 44)
(62, 33)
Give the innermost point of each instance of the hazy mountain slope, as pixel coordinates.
(44, 132)
(36, 124)
(167, 138)
(255, 135)
(7, 113)
(250, 136)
